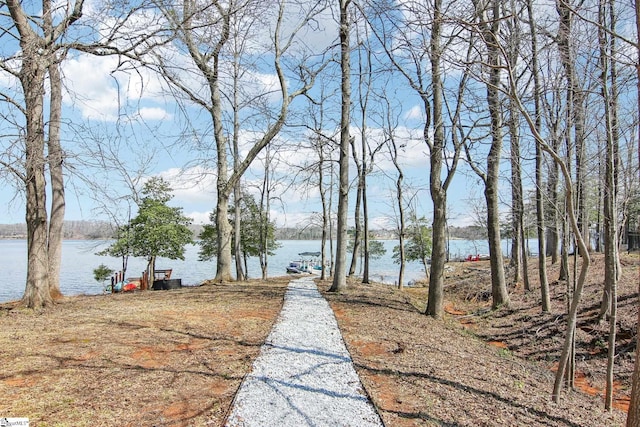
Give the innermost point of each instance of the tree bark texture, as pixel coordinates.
(498, 283)
(435, 302)
(339, 276)
(56, 158)
(540, 211)
(32, 76)
(633, 417)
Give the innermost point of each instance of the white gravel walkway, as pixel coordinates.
(304, 375)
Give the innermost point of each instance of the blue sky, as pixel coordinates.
(144, 129)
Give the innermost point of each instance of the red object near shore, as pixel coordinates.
(129, 287)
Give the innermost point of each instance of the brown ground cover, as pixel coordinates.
(176, 358)
(154, 358)
(482, 368)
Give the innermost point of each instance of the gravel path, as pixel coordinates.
(304, 375)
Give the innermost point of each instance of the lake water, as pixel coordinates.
(79, 261)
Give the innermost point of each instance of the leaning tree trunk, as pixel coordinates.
(575, 300)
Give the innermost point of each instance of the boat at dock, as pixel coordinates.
(309, 263)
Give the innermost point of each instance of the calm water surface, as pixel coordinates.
(79, 261)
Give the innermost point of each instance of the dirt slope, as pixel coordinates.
(483, 368)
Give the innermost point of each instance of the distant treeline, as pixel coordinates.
(92, 230)
(98, 230)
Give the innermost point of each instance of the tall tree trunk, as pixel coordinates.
(365, 230)
(32, 75)
(223, 190)
(326, 213)
(223, 266)
(364, 110)
(580, 244)
(435, 301)
(540, 225)
(517, 205)
(401, 222)
(498, 283)
(575, 110)
(265, 208)
(633, 417)
(329, 217)
(516, 212)
(237, 240)
(357, 235)
(393, 154)
(339, 276)
(519, 248)
(55, 160)
(607, 58)
(237, 191)
(553, 217)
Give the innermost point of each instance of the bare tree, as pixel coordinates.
(204, 31)
(390, 124)
(39, 54)
(404, 43)
(581, 245)
(319, 168)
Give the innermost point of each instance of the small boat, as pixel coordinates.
(309, 263)
(296, 267)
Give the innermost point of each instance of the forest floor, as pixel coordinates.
(176, 358)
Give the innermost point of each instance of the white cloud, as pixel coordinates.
(415, 113)
(154, 113)
(100, 93)
(199, 217)
(291, 219)
(196, 185)
(92, 87)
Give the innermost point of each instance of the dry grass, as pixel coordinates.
(161, 358)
